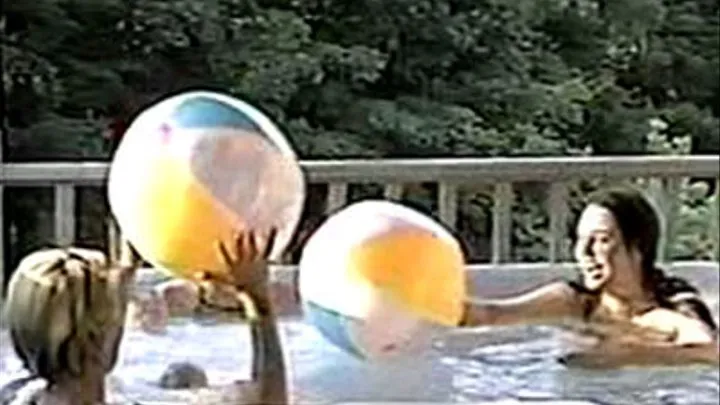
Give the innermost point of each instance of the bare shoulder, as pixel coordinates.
(686, 329)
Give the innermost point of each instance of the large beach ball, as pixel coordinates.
(194, 169)
(379, 279)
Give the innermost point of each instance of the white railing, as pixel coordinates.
(449, 173)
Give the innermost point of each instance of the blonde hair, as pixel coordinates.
(65, 306)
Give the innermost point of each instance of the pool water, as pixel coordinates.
(465, 367)
(505, 366)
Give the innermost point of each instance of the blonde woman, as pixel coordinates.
(65, 312)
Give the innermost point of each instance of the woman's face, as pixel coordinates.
(601, 252)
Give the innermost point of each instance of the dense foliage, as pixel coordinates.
(375, 78)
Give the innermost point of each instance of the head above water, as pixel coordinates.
(616, 247)
(616, 239)
(65, 311)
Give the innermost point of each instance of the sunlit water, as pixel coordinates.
(487, 366)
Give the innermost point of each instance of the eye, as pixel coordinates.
(603, 239)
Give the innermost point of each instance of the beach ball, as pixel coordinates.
(379, 280)
(194, 169)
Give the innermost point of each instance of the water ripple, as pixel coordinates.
(509, 365)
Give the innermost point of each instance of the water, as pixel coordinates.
(499, 366)
(479, 367)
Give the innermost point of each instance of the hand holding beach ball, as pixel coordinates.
(377, 278)
(196, 169)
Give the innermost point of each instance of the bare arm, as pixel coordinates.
(268, 366)
(550, 302)
(692, 342)
(249, 278)
(268, 381)
(615, 355)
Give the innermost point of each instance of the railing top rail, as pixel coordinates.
(465, 170)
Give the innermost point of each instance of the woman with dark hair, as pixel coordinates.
(640, 315)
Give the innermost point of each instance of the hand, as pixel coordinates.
(246, 261)
(247, 272)
(589, 359)
(601, 355)
(622, 354)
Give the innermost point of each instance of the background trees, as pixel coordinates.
(375, 78)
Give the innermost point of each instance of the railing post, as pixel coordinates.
(502, 223)
(655, 193)
(671, 202)
(3, 259)
(448, 204)
(664, 194)
(393, 192)
(114, 238)
(337, 196)
(716, 219)
(64, 214)
(558, 222)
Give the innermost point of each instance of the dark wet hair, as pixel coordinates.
(639, 226)
(637, 221)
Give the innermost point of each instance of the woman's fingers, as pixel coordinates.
(227, 259)
(249, 246)
(250, 249)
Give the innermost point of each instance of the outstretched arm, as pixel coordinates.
(268, 381)
(690, 341)
(550, 302)
(268, 366)
(248, 270)
(615, 355)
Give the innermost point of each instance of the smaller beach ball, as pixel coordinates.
(378, 280)
(194, 169)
